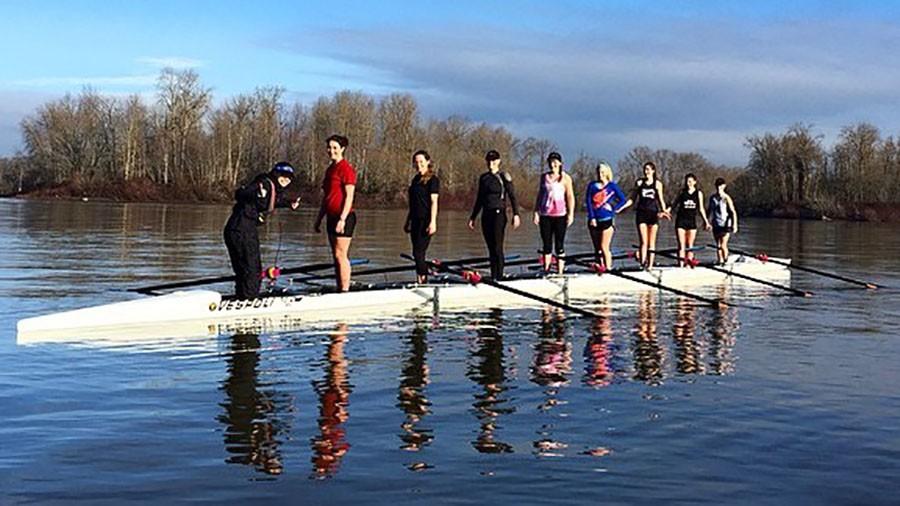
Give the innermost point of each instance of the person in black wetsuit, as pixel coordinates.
(254, 201)
(495, 188)
(421, 221)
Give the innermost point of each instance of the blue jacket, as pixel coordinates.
(603, 202)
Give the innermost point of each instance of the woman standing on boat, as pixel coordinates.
(495, 188)
(252, 203)
(689, 201)
(724, 219)
(554, 211)
(421, 221)
(339, 186)
(650, 206)
(603, 201)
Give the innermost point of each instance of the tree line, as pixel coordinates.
(184, 146)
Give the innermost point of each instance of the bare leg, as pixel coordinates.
(546, 262)
(681, 236)
(723, 248)
(651, 244)
(340, 247)
(605, 242)
(643, 239)
(561, 265)
(689, 237)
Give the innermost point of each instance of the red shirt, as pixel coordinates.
(337, 176)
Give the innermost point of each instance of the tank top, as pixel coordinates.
(720, 216)
(553, 196)
(647, 197)
(690, 202)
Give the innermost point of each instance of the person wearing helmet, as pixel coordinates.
(253, 203)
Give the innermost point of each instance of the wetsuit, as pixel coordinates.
(420, 217)
(494, 191)
(253, 202)
(647, 203)
(687, 203)
(552, 210)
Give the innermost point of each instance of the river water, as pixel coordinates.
(661, 401)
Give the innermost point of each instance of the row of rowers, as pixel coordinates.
(495, 200)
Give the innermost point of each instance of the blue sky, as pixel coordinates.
(598, 77)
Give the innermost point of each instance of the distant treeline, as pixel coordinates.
(183, 147)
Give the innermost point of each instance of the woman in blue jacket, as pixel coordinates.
(603, 201)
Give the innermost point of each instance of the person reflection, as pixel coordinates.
(487, 368)
(688, 358)
(250, 411)
(598, 368)
(722, 329)
(411, 396)
(648, 354)
(330, 445)
(551, 367)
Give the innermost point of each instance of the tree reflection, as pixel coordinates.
(487, 369)
(598, 368)
(551, 368)
(648, 354)
(330, 445)
(411, 395)
(250, 412)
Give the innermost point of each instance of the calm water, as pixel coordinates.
(661, 401)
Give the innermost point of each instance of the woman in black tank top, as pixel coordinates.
(649, 208)
(689, 201)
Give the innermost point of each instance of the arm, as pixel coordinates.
(570, 201)
(703, 210)
(432, 226)
(511, 192)
(733, 212)
(537, 201)
(622, 201)
(662, 200)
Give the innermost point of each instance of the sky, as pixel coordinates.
(594, 77)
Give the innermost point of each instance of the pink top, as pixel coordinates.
(553, 196)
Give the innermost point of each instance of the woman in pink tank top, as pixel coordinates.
(554, 211)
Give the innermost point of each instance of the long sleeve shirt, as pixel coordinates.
(494, 191)
(603, 202)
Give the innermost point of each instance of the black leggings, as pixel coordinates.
(243, 249)
(553, 232)
(493, 227)
(418, 235)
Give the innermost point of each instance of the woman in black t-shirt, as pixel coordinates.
(421, 222)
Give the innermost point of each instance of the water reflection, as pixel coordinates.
(598, 350)
(688, 352)
(411, 395)
(722, 328)
(551, 368)
(487, 368)
(330, 445)
(250, 413)
(648, 352)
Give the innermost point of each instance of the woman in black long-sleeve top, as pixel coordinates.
(253, 202)
(495, 189)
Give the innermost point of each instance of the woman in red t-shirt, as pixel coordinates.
(337, 206)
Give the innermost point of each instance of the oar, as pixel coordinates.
(690, 263)
(405, 268)
(762, 257)
(660, 286)
(475, 278)
(222, 279)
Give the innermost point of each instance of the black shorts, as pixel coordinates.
(602, 225)
(646, 217)
(349, 225)
(686, 223)
(719, 232)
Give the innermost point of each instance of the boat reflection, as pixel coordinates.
(722, 329)
(648, 352)
(487, 368)
(598, 350)
(330, 445)
(551, 368)
(251, 411)
(411, 395)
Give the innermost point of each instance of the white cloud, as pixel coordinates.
(174, 62)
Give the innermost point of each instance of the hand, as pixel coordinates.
(471, 224)
(432, 228)
(407, 227)
(516, 221)
(339, 226)
(734, 229)
(570, 219)
(318, 226)
(261, 192)
(295, 204)
(708, 226)
(665, 215)
(593, 222)
(537, 219)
